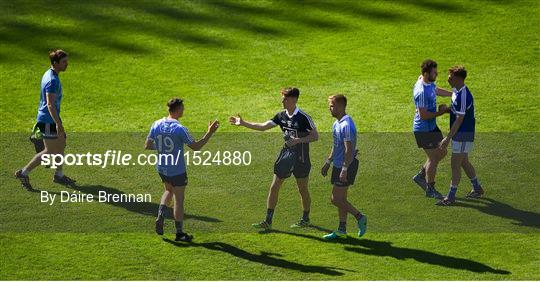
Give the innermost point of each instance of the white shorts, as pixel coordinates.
(464, 147)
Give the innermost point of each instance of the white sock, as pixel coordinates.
(24, 172)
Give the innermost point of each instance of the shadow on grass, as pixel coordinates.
(118, 25)
(269, 259)
(496, 208)
(385, 249)
(144, 208)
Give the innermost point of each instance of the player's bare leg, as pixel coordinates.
(271, 203)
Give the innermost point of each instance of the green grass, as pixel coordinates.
(128, 57)
(493, 238)
(240, 256)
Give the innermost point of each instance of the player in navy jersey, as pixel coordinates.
(298, 131)
(49, 123)
(345, 166)
(462, 129)
(427, 133)
(168, 137)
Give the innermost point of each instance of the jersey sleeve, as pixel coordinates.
(420, 99)
(459, 106)
(310, 125)
(275, 119)
(185, 136)
(152, 132)
(51, 86)
(346, 132)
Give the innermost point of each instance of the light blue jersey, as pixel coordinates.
(169, 137)
(50, 83)
(425, 96)
(343, 130)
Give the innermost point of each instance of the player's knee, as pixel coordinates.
(443, 153)
(336, 201)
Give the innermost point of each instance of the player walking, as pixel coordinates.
(49, 122)
(462, 128)
(298, 131)
(345, 167)
(168, 136)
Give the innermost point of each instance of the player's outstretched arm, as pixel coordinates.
(238, 121)
(443, 92)
(212, 127)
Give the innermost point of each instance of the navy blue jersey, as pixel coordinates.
(463, 105)
(297, 125)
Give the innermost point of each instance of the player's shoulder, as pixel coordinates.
(180, 128)
(418, 87)
(350, 120)
(158, 122)
(468, 91)
(49, 76)
(304, 114)
(347, 122)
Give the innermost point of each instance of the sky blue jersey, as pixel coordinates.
(169, 137)
(50, 83)
(425, 96)
(343, 130)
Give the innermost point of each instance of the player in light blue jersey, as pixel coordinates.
(427, 133)
(462, 129)
(345, 167)
(168, 137)
(49, 123)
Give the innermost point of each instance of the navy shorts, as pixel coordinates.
(175, 180)
(352, 170)
(430, 139)
(48, 130)
(290, 161)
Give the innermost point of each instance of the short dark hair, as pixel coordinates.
(428, 65)
(458, 70)
(290, 92)
(339, 98)
(57, 55)
(174, 104)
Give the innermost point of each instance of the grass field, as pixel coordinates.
(128, 57)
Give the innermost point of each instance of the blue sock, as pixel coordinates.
(269, 215)
(422, 172)
(305, 216)
(342, 226)
(179, 226)
(161, 212)
(475, 183)
(452, 192)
